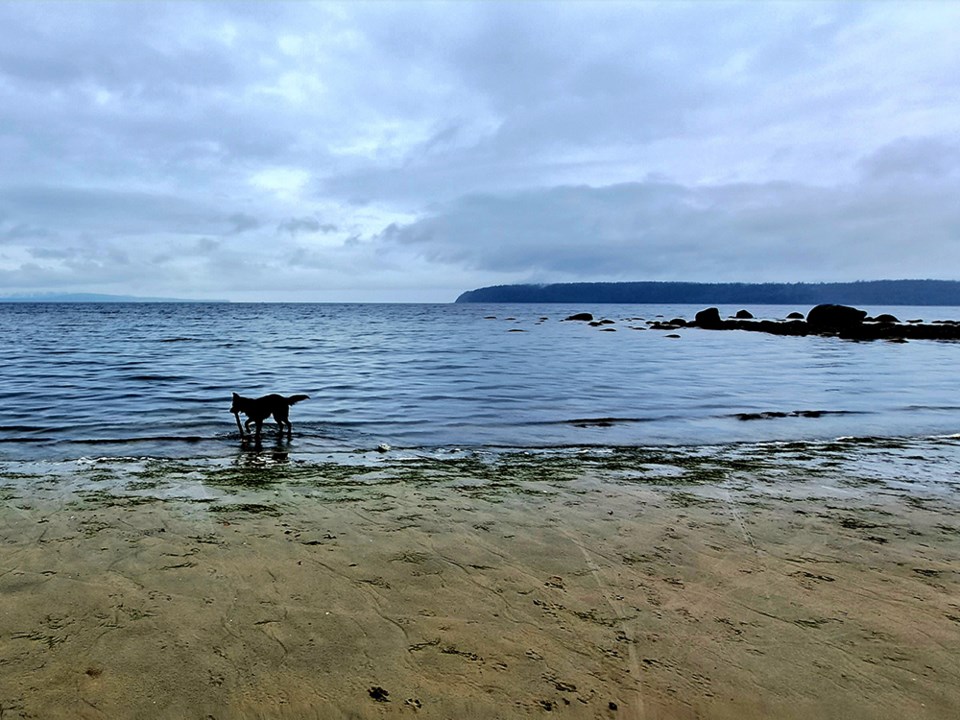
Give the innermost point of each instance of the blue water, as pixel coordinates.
(119, 380)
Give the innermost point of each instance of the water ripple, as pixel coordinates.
(157, 379)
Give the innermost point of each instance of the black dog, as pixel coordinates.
(259, 409)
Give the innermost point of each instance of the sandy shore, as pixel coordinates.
(788, 583)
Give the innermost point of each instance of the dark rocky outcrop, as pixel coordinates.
(835, 317)
(744, 315)
(833, 320)
(709, 318)
(584, 317)
(795, 316)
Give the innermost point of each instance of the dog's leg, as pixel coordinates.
(259, 427)
(236, 417)
(282, 417)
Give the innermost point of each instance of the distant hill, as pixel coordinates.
(867, 292)
(91, 298)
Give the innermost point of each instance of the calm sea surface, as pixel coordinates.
(118, 380)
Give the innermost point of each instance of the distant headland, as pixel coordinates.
(94, 298)
(866, 292)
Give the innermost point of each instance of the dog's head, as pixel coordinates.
(235, 405)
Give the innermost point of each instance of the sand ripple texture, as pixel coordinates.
(771, 581)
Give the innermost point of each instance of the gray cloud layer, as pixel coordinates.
(901, 222)
(406, 151)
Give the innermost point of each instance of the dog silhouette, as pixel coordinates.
(259, 409)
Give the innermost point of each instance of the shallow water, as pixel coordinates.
(86, 380)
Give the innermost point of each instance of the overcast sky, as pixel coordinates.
(407, 152)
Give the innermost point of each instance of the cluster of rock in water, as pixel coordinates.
(831, 320)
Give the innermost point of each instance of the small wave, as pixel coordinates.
(24, 428)
(600, 421)
(179, 339)
(138, 440)
(776, 414)
(157, 378)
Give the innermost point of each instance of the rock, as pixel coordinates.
(709, 318)
(383, 447)
(835, 317)
(760, 415)
(795, 316)
(744, 315)
(788, 327)
(679, 322)
(585, 317)
(672, 335)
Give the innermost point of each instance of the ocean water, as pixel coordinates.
(155, 380)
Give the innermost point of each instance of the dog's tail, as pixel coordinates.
(296, 398)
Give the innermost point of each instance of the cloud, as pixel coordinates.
(242, 222)
(296, 147)
(286, 183)
(307, 224)
(656, 230)
(24, 232)
(109, 212)
(913, 158)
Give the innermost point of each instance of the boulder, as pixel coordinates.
(835, 317)
(886, 318)
(744, 315)
(795, 316)
(585, 317)
(709, 318)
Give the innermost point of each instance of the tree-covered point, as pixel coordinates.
(867, 292)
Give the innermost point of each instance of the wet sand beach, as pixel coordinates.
(787, 581)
